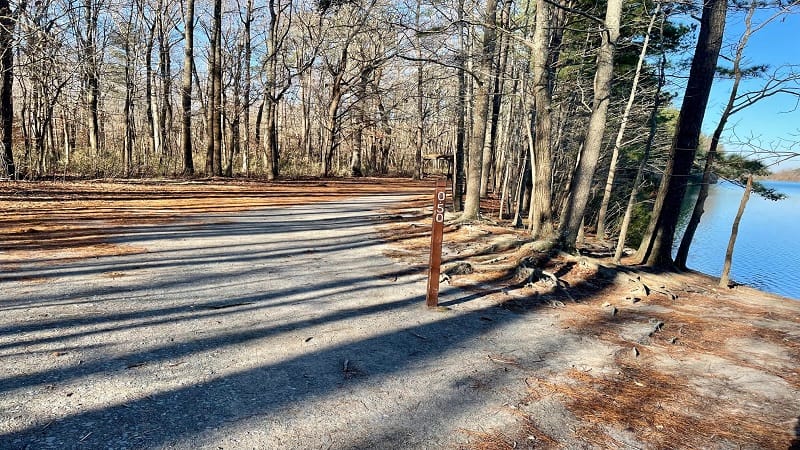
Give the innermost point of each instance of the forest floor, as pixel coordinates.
(224, 314)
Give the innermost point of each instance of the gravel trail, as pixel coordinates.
(273, 328)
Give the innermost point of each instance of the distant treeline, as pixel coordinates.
(786, 175)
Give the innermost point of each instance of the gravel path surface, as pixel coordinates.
(275, 328)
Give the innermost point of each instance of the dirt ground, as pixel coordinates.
(289, 315)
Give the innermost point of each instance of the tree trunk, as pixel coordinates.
(7, 25)
(186, 90)
(656, 247)
(472, 199)
(332, 118)
(271, 156)
(601, 216)
(210, 104)
(127, 154)
(216, 80)
(331, 131)
(686, 241)
(235, 138)
(498, 73)
(541, 207)
(270, 138)
(626, 219)
(69, 143)
(385, 141)
(358, 139)
(584, 174)
(523, 185)
(420, 132)
(508, 121)
(305, 120)
(148, 89)
(459, 175)
(504, 189)
(355, 158)
(248, 82)
(165, 112)
(92, 82)
(724, 279)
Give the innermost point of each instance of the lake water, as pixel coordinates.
(767, 252)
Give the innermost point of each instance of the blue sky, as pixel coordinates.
(773, 119)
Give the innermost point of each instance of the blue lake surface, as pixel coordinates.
(767, 252)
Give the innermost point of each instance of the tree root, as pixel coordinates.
(535, 274)
(645, 289)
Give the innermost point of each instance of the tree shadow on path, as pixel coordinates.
(264, 396)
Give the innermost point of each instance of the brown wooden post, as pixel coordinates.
(439, 195)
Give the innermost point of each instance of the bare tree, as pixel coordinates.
(127, 33)
(496, 97)
(421, 113)
(91, 71)
(7, 26)
(274, 90)
(214, 109)
(164, 27)
(540, 138)
(481, 110)
(338, 65)
(247, 37)
(459, 174)
(186, 89)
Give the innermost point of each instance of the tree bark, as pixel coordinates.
(626, 219)
(130, 131)
(332, 119)
(186, 90)
(358, 140)
(235, 138)
(582, 180)
(655, 249)
(541, 208)
(165, 112)
(271, 151)
(7, 26)
(248, 82)
(270, 138)
(92, 82)
(305, 120)
(697, 213)
(724, 279)
(385, 141)
(612, 169)
(148, 89)
(216, 80)
(472, 200)
(496, 96)
(459, 175)
(420, 132)
(210, 102)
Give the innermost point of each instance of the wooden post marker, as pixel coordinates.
(439, 195)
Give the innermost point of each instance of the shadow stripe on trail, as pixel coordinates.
(261, 222)
(186, 412)
(408, 341)
(183, 349)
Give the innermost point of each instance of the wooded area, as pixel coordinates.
(561, 109)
